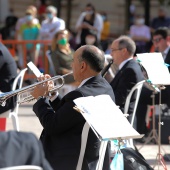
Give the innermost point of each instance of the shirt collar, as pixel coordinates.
(83, 82)
(124, 62)
(166, 52)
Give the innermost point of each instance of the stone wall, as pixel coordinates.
(114, 8)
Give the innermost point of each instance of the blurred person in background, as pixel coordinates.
(51, 25)
(140, 33)
(109, 44)
(72, 39)
(41, 9)
(8, 31)
(88, 20)
(23, 20)
(162, 20)
(105, 31)
(30, 31)
(62, 57)
(91, 39)
(18, 35)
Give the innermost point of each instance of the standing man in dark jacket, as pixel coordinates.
(130, 73)
(61, 137)
(8, 72)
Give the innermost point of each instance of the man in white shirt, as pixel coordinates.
(51, 25)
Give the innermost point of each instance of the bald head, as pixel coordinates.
(93, 56)
(88, 61)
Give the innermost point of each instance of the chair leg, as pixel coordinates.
(15, 122)
(131, 143)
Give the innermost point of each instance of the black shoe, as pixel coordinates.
(166, 157)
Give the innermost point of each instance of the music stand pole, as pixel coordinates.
(159, 157)
(153, 134)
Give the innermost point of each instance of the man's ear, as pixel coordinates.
(83, 66)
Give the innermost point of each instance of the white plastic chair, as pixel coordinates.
(13, 113)
(137, 88)
(22, 167)
(52, 68)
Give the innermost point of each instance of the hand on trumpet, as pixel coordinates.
(44, 88)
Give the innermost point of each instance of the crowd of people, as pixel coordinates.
(63, 125)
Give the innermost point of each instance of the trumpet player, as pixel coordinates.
(62, 125)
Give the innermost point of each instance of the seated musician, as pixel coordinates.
(61, 136)
(129, 72)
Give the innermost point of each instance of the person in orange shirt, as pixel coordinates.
(106, 31)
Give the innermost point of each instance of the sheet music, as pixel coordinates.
(105, 117)
(156, 69)
(34, 69)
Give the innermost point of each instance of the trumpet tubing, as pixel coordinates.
(24, 93)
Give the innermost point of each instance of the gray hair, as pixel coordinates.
(128, 43)
(52, 9)
(163, 9)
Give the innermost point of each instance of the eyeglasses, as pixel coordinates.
(157, 40)
(117, 49)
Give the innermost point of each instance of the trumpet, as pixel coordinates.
(24, 93)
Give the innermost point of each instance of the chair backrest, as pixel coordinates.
(23, 167)
(137, 88)
(19, 79)
(52, 68)
(18, 82)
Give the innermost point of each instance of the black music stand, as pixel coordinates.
(159, 157)
(153, 135)
(159, 78)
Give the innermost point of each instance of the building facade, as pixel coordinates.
(71, 9)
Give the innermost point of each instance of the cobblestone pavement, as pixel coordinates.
(30, 123)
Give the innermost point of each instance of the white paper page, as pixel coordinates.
(155, 67)
(34, 69)
(106, 118)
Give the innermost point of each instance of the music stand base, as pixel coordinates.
(152, 135)
(160, 160)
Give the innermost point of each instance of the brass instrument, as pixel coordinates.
(24, 93)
